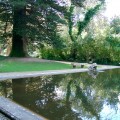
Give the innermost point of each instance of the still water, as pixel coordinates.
(79, 96)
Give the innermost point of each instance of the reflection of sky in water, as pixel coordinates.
(109, 113)
(59, 92)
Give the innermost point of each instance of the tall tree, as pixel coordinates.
(31, 20)
(81, 24)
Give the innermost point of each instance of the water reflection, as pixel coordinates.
(68, 97)
(93, 74)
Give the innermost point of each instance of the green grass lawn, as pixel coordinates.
(18, 66)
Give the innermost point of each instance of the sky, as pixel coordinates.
(113, 8)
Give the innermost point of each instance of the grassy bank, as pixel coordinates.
(19, 66)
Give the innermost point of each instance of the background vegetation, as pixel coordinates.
(71, 31)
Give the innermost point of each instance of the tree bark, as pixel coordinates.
(18, 49)
(18, 41)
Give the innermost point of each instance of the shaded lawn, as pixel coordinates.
(15, 66)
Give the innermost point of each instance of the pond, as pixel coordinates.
(78, 96)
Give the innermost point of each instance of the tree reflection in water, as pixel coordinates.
(93, 74)
(67, 97)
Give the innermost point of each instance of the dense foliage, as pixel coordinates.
(31, 21)
(70, 30)
(99, 42)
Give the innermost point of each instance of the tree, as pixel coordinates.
(115, 25)
(32, 20)
(113, 40)
(81, 24)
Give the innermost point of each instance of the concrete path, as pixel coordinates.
(14, 75)
(3, 117)
(16, 112)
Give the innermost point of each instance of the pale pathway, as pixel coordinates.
(14, 75)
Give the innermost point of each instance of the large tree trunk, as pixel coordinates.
(18, 41)
(18, 49)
